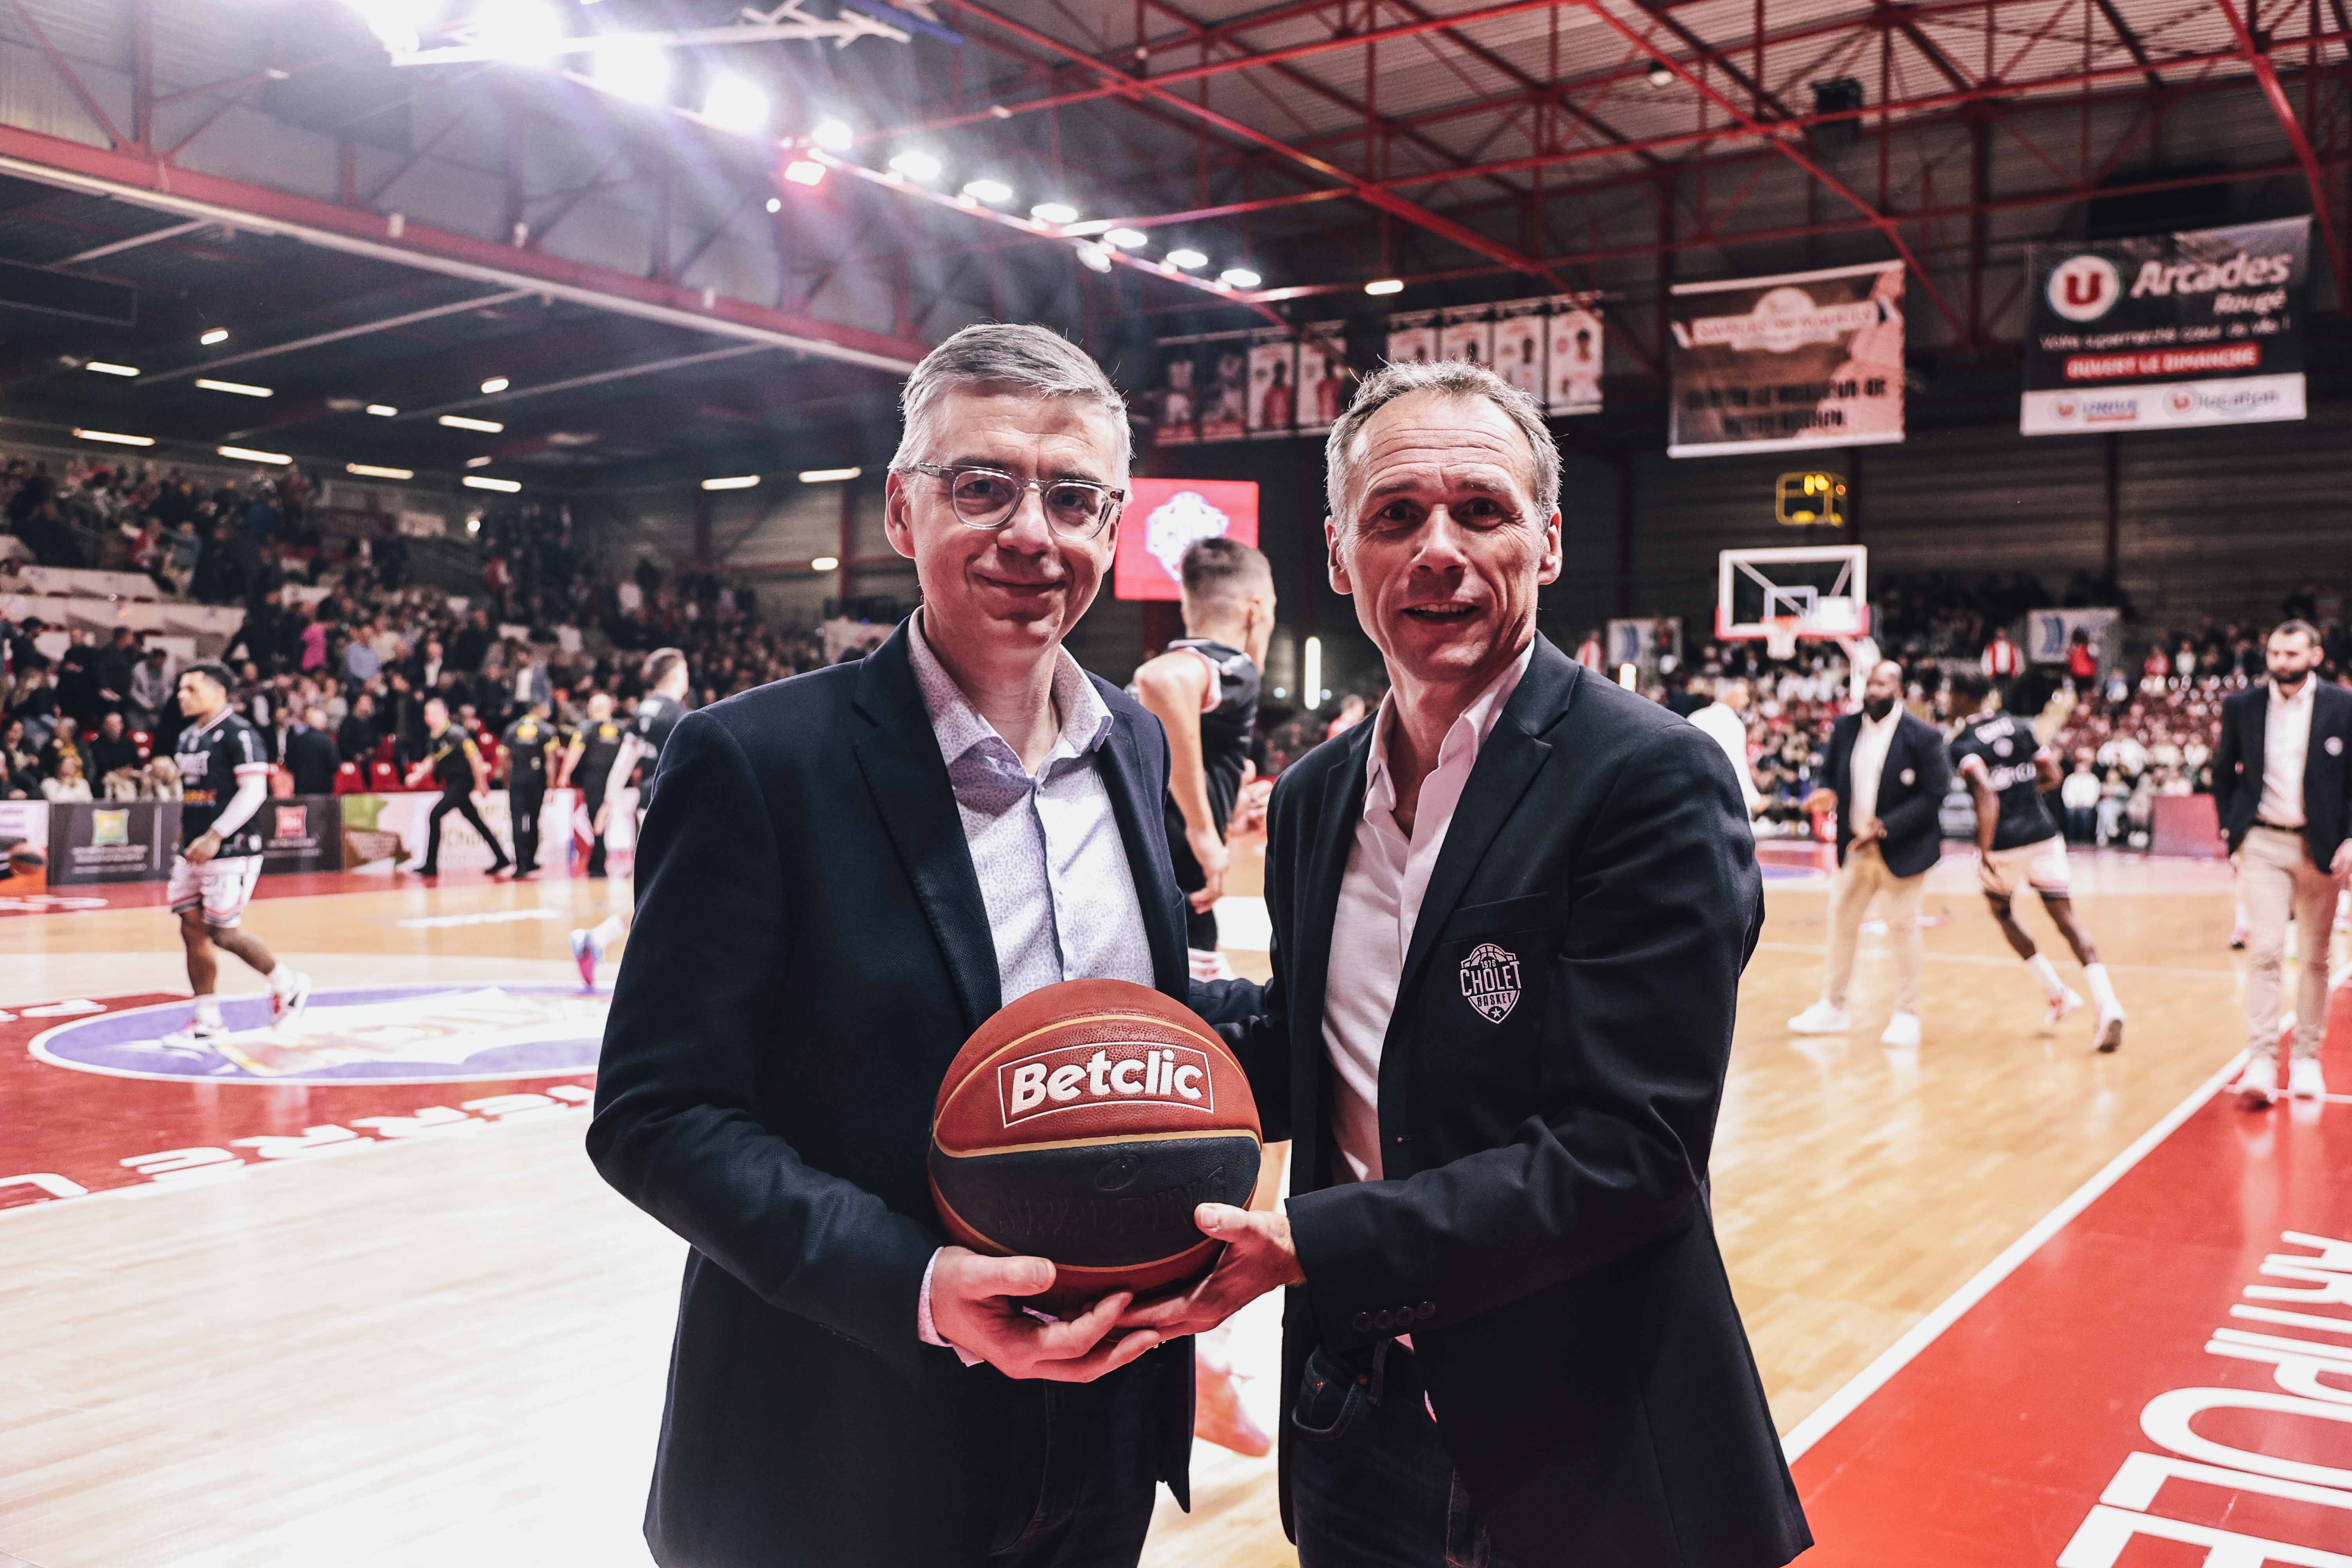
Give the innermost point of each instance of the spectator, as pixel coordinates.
(2079, 794)
(114, 759)
(2082, 662)
(357, 737)
(20, 762)
(65, 742)
(2003, 661)
(66, 784)
(310, 753)
(152, 687)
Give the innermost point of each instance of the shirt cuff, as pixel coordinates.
(927, 1330)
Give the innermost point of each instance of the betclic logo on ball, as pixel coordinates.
(1074, 1076)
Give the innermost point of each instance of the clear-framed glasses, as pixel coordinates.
(987, 498)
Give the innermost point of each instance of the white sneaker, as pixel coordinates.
(1902, 1032)
(2065, 1001)
(1821, 1018)
(286, 1004)
(2258, 1085)
(194, 1037)
(2110, 1037)
(587, 953)
(2304, 1080)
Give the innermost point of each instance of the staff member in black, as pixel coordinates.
(1510, 918)
(596, 747)
(453, 761)
(529, 744)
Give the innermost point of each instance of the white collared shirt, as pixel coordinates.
(1868, 763)
(2286, 744)
(1379, 902)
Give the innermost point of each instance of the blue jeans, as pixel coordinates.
(1371, 1484)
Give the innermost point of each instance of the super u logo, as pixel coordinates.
(1076, 1076)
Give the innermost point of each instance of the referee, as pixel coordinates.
(451, 759)
(529, 742)
(589, 764)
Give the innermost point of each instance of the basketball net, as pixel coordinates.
(1780, 636)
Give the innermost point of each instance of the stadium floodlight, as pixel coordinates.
(1385, 285)
(917, 165)
(375, 471)
(381, 410)
(833, 134)
(248, 455)
(801, 172)
(1659, 74)
(733, 103)
(1239, 278)
(241, 388)
(116, 437)
(484, 482)
(1054, 212)
(827, 476)
(825, 564)
(1126, 239)
(518, 29)
(398, 25)
(496, 383)
(104, 368)
(732, 482)
(217, 335)
(1187, 257)
(460, 422)
(632, 72)
(995, 192)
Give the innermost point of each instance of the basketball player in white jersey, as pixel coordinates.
(658, 711)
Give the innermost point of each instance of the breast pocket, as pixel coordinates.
(1487, 966)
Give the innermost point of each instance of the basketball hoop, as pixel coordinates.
(1780, 636)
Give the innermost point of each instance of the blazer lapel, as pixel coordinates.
(1143, 827)
(908, 778)
(2258, 729)
(1314, 903)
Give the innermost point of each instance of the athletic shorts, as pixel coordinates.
(2042, 865)
(222, 886)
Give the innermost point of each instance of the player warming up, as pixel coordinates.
(2005, 770)
(453, 761)
(658, 711)
(224, 779)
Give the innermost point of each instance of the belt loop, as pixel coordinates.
(1379, 1369)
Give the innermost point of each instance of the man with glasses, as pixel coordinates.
(842, 876)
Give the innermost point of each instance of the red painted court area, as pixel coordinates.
(2166, 1381)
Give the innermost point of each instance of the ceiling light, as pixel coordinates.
(478, 462)
(398, 25)
(1239, 278)
(1126, 239)
(632, 72)
(217, 335)
(381, 410)
(460, 422)
(243, 389)
(1385, 285)
(1659, 74)
(1054, 212)
(775, 203)
(518, 29)
(103, 368)
(732, 482)
(833, 135)
(827, 476)
(918, 165)
(248, 454)
(371, 471)
(995, 192)
(731, 103)
(825, 564)
(496, 383)
(801, 172)
(117, 438)
(1187, 257)
(482, 482)
(1096, 257)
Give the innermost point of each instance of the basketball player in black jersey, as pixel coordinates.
(1203, 691)
(224, 782)
(648, 731)
(531, 745)
(452, 761)
(2005, 770)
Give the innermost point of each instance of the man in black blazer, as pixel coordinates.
(1886, 775)
(310, 753)
(2283, 788)
(841, 876)
(1509, 916)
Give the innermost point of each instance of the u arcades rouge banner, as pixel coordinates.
(1773, 365)
(2199, 328)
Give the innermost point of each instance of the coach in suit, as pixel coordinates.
(2285, 789)
(841, 876)
(1886, 775)
(310, 753)
(1508, 919)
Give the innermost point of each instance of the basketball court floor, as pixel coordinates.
(362, 1301)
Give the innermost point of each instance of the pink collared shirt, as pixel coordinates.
(1380, 902)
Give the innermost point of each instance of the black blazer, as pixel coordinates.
(810, 951)
(2327, 774)
(1911, 791)
(1543, 1226)
(311, 758)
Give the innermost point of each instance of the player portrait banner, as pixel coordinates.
(1776, 364)
(302, 833)
(125, 841)
(1468, 334)
(1164, 517)
(1325, 384)
(1272, 382)
(1413, 336)
(2203, 327)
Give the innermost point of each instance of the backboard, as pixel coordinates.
(1824, 589)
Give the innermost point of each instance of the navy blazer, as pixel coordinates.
(2327, 767)
(810, 950)
(1548, 1089)
(1911, 791)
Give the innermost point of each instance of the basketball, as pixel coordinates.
(1083, 1123)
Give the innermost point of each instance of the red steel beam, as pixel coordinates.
(2257, 60)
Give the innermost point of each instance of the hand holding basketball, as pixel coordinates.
(1259, 1256)
(976, 1305)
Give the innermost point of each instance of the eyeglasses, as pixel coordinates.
(987, 498)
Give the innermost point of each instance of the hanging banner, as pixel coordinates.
(1772, 365)
(1413, 336)
(1325, 382)
(1224, 380)
(1468, 334)
(1520, 346)
(2168, 329)
(1572, 369)
(1176, 412)
(1164, 517)
(1272, 382)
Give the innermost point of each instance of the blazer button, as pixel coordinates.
(1384, 1319)
(1426, 1310)
(1363, 1323)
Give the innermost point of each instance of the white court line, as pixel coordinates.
(1926, 1332)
